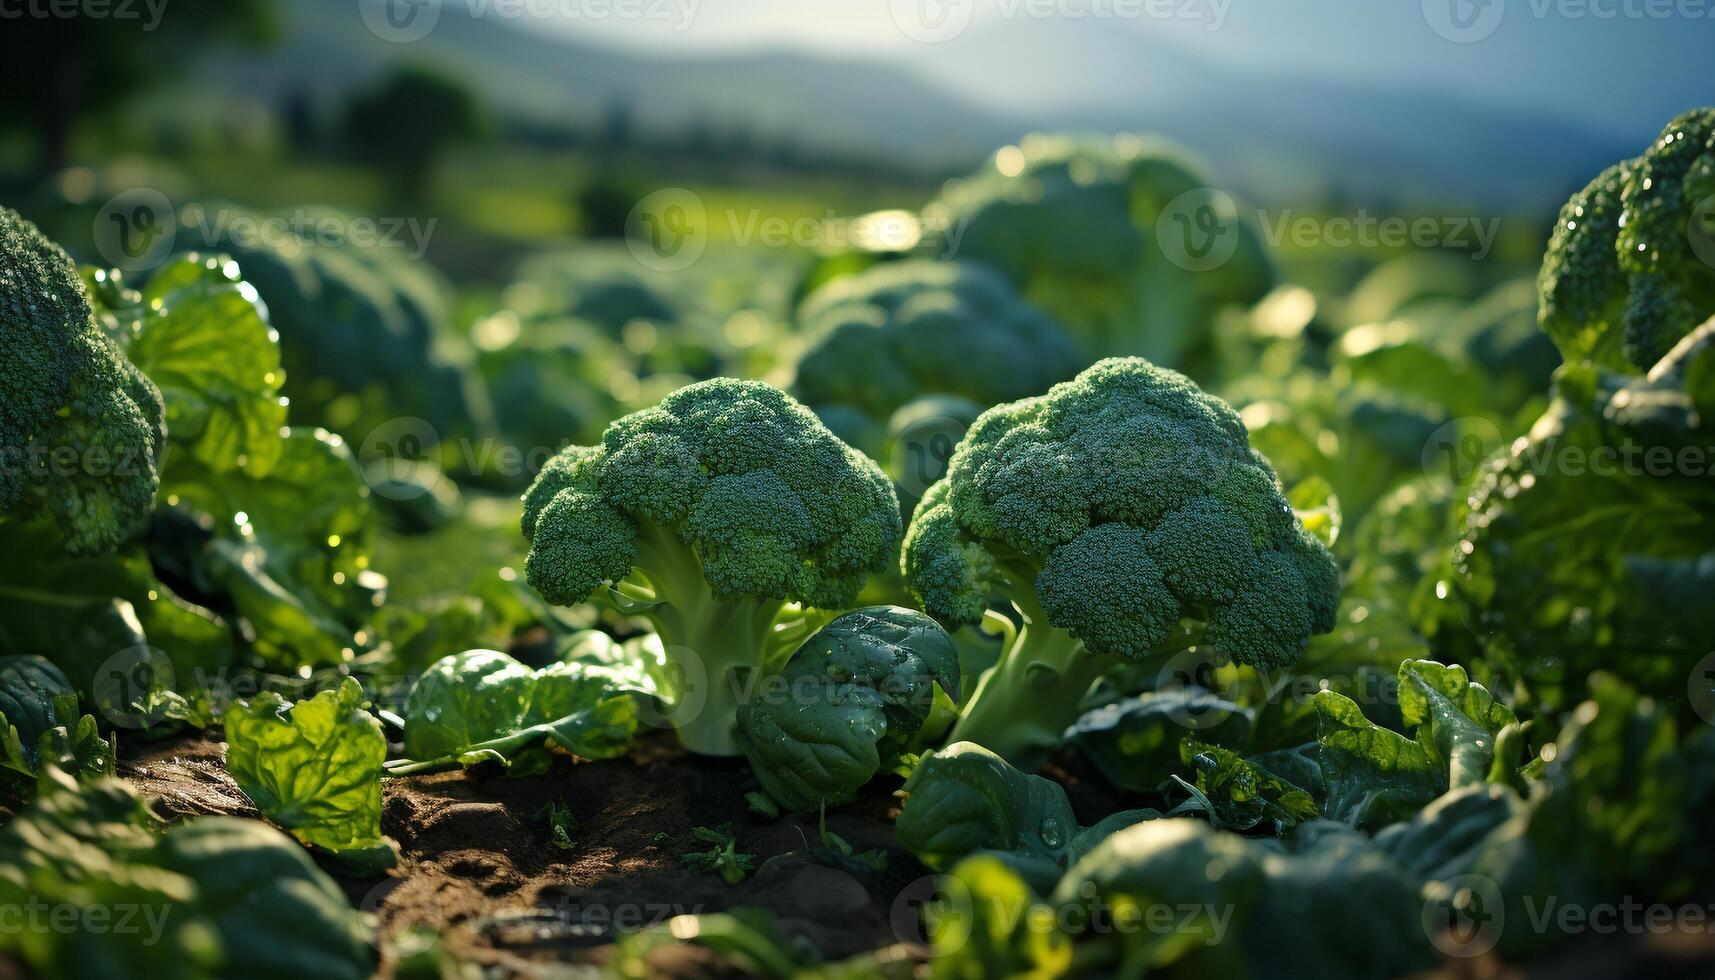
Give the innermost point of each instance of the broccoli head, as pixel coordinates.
(81, 427)
(1124, 516)
(901, 357)
(1630, 266)
(1123, 241)
(707, 515)
(1590, 543)
(902, 330)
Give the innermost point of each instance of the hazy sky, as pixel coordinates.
(1607, 62)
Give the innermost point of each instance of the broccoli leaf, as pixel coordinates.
(846, 704)
(314, 768)
(1134, 742)
(483, 706)
(202, 335)
(212, 897)
(1242, 795)
(1373, 776)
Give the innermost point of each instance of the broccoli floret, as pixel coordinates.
(1079, 227)
(708, 514)
(904, 330)
(903, 357)
(1622, 280)
(80, 426)
(1124, 516)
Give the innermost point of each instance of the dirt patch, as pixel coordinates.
(480, 866)
(185, 775)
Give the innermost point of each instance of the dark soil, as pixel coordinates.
(479, 864)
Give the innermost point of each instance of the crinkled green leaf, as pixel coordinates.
(1373, 776)
(846, 704)
(202, 335)
(483, 706)
(1242, 795)
(314, 768)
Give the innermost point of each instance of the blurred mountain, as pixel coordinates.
(1282, 137)
(871, 110)
(1285, 133)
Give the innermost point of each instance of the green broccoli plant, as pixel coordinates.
(1124, 517)
(897, 333)
(1630, 267)
(1121, 240)
(1590, 544)
(81, 427)
(708, 516)
(846, 705)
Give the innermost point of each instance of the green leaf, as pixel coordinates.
(483, 706)
(1373, 776)
(202, 335)
(1243, 795)
(314, 768)
(965, 799)
(724, 858)
(289, 551)
(1317, 507)
(1134, 742)
(279, 916)
(846, 705)
(212, 897)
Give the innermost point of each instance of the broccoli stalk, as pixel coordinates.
(1038, 688)
(735, 641)
(710, 516)
(1124, 518)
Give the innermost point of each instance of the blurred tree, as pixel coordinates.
(605, 202)
(57, 70)
(406, 123)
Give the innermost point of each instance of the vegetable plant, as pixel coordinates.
(1115, 238)
(1124, 517)
(81, 427)
(708, 516)
(1622, 279)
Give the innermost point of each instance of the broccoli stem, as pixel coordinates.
(715, 649)
(1023, 705)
